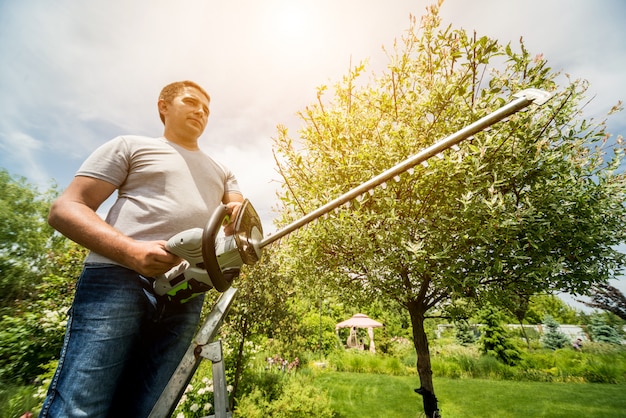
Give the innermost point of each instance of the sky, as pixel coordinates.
(74, 74)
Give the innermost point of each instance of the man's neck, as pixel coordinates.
(190, 144)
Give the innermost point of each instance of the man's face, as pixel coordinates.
(188, 112)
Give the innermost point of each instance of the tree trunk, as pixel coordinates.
(424, 370)
(521, 323)
(239, 363)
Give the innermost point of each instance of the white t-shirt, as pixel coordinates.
(163, 188)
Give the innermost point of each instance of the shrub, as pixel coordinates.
(268, 382)
(197, 400)
(603, 332)
(602, 370)
(553, 338)
(494, 340)
(28, 341)
(299, 398)
(252, 405)
(464, 333)
(365, 362)
(16, 400)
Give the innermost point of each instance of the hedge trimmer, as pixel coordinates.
(214, 262)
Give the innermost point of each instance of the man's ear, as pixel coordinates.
(162, 106)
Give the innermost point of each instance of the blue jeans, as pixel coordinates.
(122, 344)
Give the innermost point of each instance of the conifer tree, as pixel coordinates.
(602, 332)
(464, 334)
(553, 338)
(494, 339)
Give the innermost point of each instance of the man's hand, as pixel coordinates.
(232, 208)
(150, 258)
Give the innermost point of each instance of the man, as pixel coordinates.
(123, 342)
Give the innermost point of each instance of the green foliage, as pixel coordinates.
(595, 363)
(602, 332)
(553, 338)
(28, 343)
(316, 332)
(253, 405)
(298, 398)
(37, 272)
(464, 333)
(534, 205)
(33, 336)
(494, 339)
(365, 362)
(269, 382)
(25, 238)
(16, 401)
(197, 400)
(599, 370)
(544, 304)
(261, 308)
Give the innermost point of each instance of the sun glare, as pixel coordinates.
(290, 22)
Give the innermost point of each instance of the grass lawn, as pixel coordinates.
(373, 396)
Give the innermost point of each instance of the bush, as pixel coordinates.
(299, 398)
(16, 400)
(33, 336)
(365, 362)
(28, 342)
(598, 363)
(269, 383)
(602, 370)
(465, 335)
(494, 340)
(252, 405)
(197, 400)
(602, 332)
(553, 337)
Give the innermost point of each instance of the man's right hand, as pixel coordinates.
(150, 258)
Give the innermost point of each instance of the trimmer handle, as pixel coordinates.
(221, 282)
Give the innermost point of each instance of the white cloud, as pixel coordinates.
(24, 150)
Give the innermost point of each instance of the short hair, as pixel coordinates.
(169, 92)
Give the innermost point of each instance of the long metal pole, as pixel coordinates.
(523, 99)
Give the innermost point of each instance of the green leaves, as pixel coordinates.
(533, 205)
(530, 203)
(25, 237)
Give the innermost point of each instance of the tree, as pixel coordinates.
(541, 305)
(25, 238)
(38, 269)
(464, 333)
(608, 298)
(602, 332)
(534, 205)
(553, 337)
(494, 339)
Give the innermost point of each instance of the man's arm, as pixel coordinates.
(74, 215)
